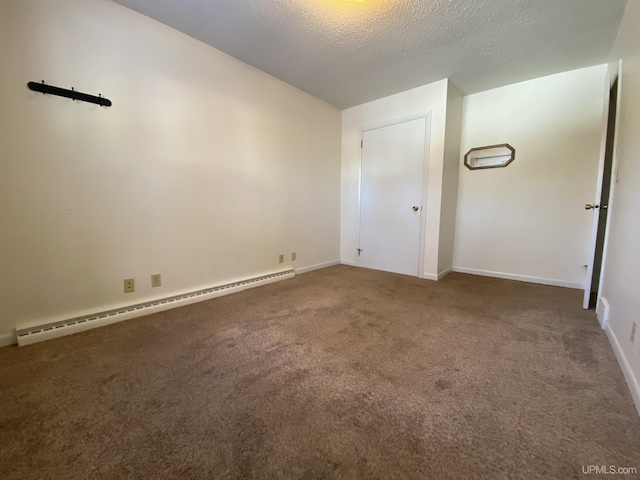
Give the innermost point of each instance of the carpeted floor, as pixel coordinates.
(340, 373)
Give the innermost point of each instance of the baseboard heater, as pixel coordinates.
(27, 336)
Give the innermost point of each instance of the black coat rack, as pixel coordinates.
(72, 94)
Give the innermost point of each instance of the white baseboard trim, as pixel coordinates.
(444, 273)
(34, 334)
(520, 278)
(317, 266)
(351, 263)
(439, 276)
(8, 339)
(602, 312)
(632, 381)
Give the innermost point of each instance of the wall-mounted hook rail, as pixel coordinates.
(72, 94)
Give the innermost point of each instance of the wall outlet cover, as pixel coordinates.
(293, 255)
(129, 285)
(156, 280)
(281, 258)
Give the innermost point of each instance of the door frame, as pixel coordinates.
(609, 80)
(425, 178)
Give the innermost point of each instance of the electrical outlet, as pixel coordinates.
(129, 285)
(634, 326)
(293, 255)
(156, 280)
(281, 258)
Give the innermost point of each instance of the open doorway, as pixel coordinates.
(601, 207)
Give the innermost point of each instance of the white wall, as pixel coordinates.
(433, 98)
(204, 169)
(621, 272)
(453, 132)
(527, 221)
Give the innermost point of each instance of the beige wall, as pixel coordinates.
(205, 169)
(527, 221)
(621, 272)
(453, 132)
(428, 98)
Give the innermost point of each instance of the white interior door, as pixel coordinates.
(392, 173)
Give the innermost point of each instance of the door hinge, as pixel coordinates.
(359, 250)
(361, 143)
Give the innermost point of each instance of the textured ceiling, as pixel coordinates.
(347, 52)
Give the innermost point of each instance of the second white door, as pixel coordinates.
(392, 177)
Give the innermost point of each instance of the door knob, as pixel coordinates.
(591, 206)
(415, 208)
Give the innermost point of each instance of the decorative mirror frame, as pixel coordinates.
(489, 147)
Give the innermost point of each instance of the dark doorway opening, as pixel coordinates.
(604, 194)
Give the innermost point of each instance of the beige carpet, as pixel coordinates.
(337, 374)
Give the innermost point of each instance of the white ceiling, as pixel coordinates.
(348, 52)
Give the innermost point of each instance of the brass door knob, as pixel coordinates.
(415, 208)
(591, 206)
